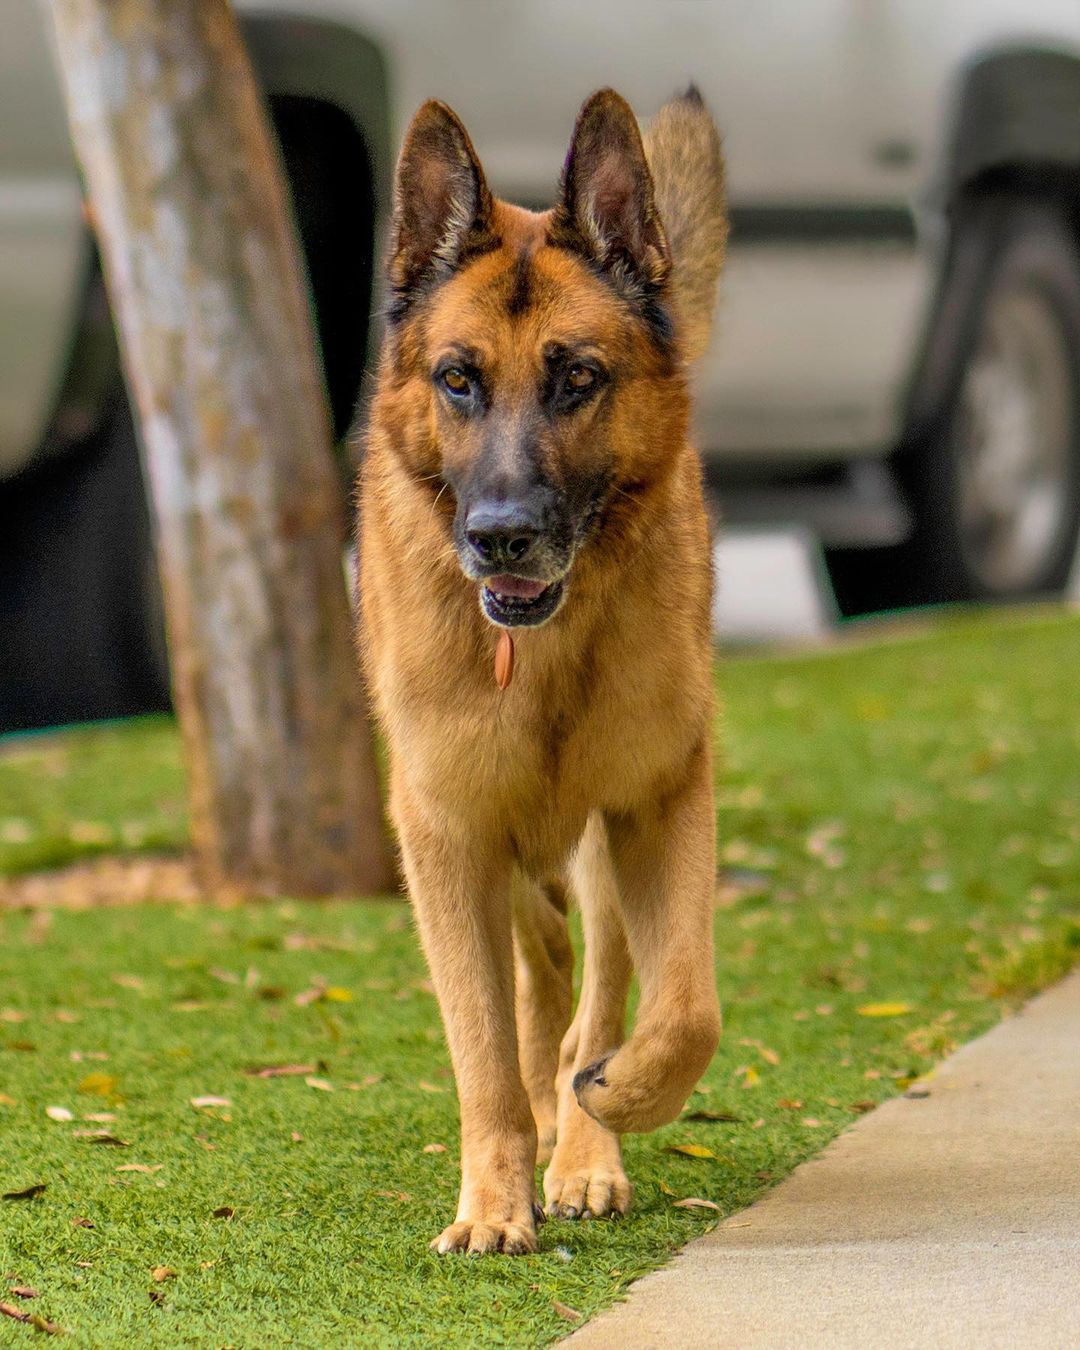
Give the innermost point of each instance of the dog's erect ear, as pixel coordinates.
(442, 205)
(607, 208)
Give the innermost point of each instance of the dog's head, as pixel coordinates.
(539, 369)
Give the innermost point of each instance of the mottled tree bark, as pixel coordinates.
(203, 270)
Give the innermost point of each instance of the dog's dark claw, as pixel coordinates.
(538, 1212)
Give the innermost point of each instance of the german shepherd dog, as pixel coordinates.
(529, 491)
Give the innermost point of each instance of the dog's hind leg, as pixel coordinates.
(460, 891)
(664, 860)
(544, 995)
(586, 1178)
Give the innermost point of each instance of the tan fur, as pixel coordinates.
(596, 761)
(687, 165)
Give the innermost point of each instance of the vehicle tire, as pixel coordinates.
(80, 607)
(990, 465)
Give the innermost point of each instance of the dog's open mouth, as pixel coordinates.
(513, 602)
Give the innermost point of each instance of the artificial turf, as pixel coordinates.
(900, 842)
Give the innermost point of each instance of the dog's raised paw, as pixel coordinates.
(592, 1075)
(485, 1239)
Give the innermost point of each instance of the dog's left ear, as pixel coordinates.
(607, 208)
(442, 204)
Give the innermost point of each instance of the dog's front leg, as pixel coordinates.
(664, 860)
(460, 890)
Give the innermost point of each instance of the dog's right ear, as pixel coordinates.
(442, 205)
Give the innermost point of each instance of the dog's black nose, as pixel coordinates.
(501, 533)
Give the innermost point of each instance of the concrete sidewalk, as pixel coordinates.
(946, 1221)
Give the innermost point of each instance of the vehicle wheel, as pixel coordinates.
(991, 466)
(80, 607)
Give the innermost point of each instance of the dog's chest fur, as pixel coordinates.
(605, 704)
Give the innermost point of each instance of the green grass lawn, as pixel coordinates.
(900, 834)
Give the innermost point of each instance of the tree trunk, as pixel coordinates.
(203, 271)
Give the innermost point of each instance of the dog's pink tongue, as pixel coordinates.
(518, 587)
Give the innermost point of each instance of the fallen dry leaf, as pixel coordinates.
(667, 1189)
(224, 1212)
(564, 1311)
(691, 1150)
(323, 1084)
(161, 1273)
(883, 1009)
(296, 1137)
(141, 1167)
(30, 1192)
(811, 1121)
(157, 1295)
(769, 1056)
(718, 1117)
(24, 1291)
(434, 1148)
(790, 1104)
(12, 1015)
(202, 1103)
(278, 1070)
(863, 1106)
(100, 1117)
(5, 1100)
(60, 1113)
(693, 1202)
(101, 1137)
(129, 982)
(34, 1319)
(79, 1221)
(99, 1085)
(429, 1087)
(403, 1196)
(43, 1324)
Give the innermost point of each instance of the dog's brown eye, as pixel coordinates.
(456, 382)
(580, 378)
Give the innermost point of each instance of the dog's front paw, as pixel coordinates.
(476, 1238)
(588, 1195)
(585, 1179)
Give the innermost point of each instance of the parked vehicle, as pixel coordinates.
(898, 354)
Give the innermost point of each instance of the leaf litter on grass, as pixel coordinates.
(347, 1215)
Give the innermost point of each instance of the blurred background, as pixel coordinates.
(890, 413)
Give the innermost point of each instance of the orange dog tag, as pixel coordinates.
(504, 660)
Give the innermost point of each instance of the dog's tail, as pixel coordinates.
(682, 146)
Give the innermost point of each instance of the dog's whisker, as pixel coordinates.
(438, 494)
